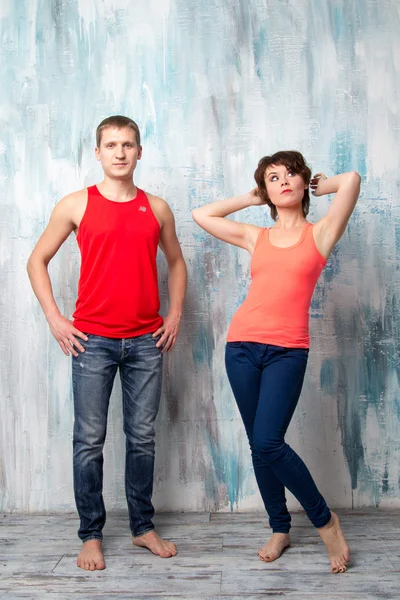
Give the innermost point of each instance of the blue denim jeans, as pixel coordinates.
(140, 365)
(266, 381)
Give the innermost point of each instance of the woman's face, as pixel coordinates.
(285, 189)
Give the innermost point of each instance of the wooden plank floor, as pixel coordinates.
(217, 560)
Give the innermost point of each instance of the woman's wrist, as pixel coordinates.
(331, 185)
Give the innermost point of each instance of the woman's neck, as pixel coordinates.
(288, 219)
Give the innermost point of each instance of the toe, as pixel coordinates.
(335, 567)
(270, 558)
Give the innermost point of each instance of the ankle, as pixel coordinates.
(329, 525)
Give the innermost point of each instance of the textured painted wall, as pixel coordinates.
(214, 85)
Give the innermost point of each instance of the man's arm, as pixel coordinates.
(177, 275)
(60, 226)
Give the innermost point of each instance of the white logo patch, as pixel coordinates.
(142, 208)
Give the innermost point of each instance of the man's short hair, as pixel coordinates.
(119, 122)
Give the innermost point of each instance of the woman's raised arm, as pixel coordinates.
(211, 218)
(329, 229)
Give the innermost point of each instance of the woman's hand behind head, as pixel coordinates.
(314, 183)
(255, 198)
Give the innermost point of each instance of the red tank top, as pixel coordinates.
(276, 310)
(118, 285)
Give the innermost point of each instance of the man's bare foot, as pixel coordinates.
(155, 544)
(91, 556)
(274, 548)
(338, 550)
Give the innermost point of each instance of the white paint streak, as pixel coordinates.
(151, 102)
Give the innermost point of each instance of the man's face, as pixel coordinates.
(118, 152)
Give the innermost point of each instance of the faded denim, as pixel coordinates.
(140, 365)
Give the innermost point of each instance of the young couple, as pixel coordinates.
(117, 326)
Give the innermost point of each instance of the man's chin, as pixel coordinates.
(120, 174)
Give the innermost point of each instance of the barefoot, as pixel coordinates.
(338, 550)
(155, 544)
(91, 556)
(274, 548)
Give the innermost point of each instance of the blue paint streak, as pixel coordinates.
(226, 470)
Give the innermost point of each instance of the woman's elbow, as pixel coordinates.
(354, 178)
(196, 215)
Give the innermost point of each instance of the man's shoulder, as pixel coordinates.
(73, 200)
(158, 205)
(74, 197)
(72, 206)
(156, 200)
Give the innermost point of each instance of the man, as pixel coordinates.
(116, 326)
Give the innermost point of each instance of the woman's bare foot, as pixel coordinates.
(274, 548)
(338, 550)
(91, 556)
(155, 544)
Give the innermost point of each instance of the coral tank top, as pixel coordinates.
(276, 310)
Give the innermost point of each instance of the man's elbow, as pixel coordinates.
(34, 262)
(30, 265)
(178, 263)
(175, 259)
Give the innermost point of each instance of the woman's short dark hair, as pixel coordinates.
(292, 160)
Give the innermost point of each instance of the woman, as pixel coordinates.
(268, 340)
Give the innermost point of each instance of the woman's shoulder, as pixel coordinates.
(257, 235)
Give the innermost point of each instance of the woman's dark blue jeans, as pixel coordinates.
(266, 381)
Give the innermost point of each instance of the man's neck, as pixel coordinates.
(119, 190)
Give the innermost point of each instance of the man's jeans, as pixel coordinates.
(266, 381)
(93, 372)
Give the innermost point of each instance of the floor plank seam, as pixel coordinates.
(56, 565)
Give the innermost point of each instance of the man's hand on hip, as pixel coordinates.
(66, 335)
(169, 332)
